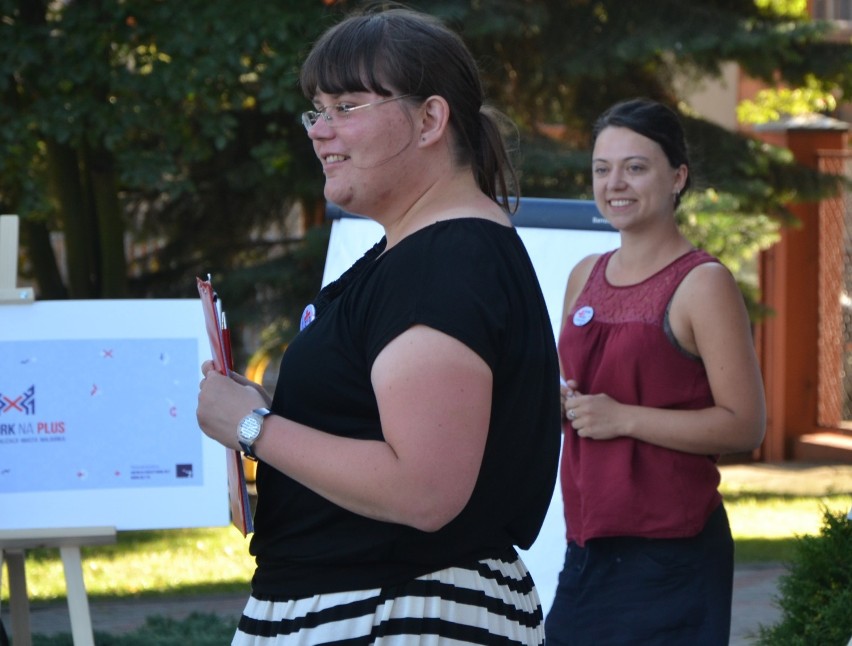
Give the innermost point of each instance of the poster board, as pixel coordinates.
(557, 235)
(97, 417)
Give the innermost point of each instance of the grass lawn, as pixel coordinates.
(770, 505)
(193, 561)
(765, 529)
(141, 563)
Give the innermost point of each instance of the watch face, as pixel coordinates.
(250, 427)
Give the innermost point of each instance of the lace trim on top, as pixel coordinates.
(643, 302)
(640, 302)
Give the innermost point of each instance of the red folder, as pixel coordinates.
(223, 361)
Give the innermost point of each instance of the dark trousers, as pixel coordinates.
(628, 590)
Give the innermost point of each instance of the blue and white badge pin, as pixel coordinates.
(583, 315)
(308, 316)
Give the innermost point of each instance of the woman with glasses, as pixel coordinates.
(413, 438)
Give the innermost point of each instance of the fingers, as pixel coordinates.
(569, 399)
(567, 406)
(206, 367)
(241, 379)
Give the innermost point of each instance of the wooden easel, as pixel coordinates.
(13, 546)
(14, 543)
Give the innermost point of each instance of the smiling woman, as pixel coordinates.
(414, 435)
(661, 377)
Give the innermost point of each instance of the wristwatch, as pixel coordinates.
(249, 430)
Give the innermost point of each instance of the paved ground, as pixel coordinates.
(755, 592)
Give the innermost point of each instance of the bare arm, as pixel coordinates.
(434, 396)
(709, 318)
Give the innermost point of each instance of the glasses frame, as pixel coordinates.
(342, 111)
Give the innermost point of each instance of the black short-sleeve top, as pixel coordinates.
(469, 278)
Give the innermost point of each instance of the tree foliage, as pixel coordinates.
(563, 62)
(162, 139)
(557, 62)
(171, 125)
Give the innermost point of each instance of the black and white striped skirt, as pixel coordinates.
(493, 602)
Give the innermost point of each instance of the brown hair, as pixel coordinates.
(401, 51)
(655, 121)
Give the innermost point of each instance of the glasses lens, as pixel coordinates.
(309, 118)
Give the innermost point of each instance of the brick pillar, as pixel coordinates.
(790, 280)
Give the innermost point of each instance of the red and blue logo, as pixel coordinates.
(24, 403)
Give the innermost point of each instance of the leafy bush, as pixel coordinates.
(816, 593)
(196, 630)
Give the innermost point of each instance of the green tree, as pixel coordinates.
(169, 125)
(562, 62)
(172, 127)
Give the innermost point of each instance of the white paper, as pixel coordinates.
(97, 417)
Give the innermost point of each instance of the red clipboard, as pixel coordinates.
(223, 361)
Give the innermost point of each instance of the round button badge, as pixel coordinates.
(583, 315)
(308, 316)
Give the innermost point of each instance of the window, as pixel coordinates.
(833, 10)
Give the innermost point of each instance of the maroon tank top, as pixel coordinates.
(615, 341)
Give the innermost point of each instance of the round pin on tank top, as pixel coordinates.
(308, 316)
(583, 315)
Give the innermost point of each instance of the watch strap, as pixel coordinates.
(247, 450)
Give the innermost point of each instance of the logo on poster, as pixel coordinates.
(27, 431)
(23, 403)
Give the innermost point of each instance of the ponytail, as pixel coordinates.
(492, 165)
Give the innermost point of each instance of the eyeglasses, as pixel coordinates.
(336, 114)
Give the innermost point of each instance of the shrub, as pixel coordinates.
(198, 629)
(816, 592)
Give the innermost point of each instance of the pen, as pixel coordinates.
(226, 343)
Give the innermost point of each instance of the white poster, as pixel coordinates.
(557, 235)
(97, 417)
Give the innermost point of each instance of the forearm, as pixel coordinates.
(709, 431)
(363, 476)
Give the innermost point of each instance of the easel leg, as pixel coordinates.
(19, 603)
(78, 602)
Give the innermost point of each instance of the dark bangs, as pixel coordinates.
(354, 56)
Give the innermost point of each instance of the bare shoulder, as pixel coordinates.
(583, 268)
(576, 281)
(709, 280)
(580, 274)
(712, 296)
(708, 315)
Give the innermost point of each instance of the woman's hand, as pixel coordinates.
(245, 381)
(568, 389)
(597, 417)
(224, 401)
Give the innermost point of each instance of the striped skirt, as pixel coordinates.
(493, 602)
